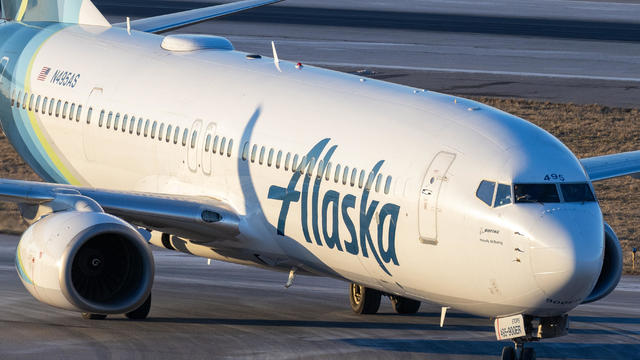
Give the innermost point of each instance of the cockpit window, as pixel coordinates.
(542, 193)
(485, 191)
(503, 195)
(577, 192)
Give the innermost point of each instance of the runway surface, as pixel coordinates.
(231, 311)
(556, 50)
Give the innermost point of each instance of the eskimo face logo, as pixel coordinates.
(334, 211)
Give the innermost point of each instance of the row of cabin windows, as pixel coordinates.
(216, 144)
(120, 122)
(164, 132)
(45, 105)
(304, 165)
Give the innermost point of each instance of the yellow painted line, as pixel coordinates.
(22, 269)
(22, 10)
(36, 127)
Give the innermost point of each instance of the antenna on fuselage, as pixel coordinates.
(276, 60)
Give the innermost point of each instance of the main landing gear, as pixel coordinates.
(365, 300)
(140, 313)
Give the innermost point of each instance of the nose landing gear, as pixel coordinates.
(535, 329)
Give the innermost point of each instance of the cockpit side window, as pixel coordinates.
(485, 191)
(577, 192)
(503, 195)
(542, 193)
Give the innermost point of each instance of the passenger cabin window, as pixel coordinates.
(176, 135)
(132, 125)
(287, 161)
(303, 163)
(78, 113)
(31, 102)
(125, 120)
(542, 193)
(387, 185)
(223, 143)
(294, 165)
(336, 177)
(207, 143)
(169, 131)
(311, 167)
(154, 128)
(65, 110)
(230, 148)
(245, 151)
(52, 104)
(577, 192)
(37, 107)
(320, 172)
(327, 172)
(72, 111)
(261, 158)
(161, 132)
(270, 158)
(279, 159)
(24, 100)
(216, 141)
(378, 182)
(146, 128)
(139, 128)
(194, 139)
(254, 151)
(116, 122)
(58, 108)
(345, 175)
(45, 101)
(109, 119)
(485, 191)
(89, 113)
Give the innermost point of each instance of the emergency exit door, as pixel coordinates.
(429, 194)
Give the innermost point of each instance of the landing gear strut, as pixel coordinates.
(519, 352)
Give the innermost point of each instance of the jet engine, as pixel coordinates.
(611, 267)
(87, 262)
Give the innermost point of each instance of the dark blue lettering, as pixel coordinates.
(331, 198)
(349, 201)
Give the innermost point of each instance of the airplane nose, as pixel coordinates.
(566, 258)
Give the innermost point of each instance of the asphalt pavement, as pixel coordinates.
(229, 311)
(559, 50)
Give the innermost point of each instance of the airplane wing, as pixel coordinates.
(611, 166)
(164, 23)
(203, 219)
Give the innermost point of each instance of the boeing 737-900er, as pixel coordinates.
(182, 142)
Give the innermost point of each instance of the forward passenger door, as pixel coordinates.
(429, 193)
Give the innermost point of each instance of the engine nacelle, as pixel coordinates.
(87, 262)
(611, 267)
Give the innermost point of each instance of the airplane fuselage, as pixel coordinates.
(335, 175)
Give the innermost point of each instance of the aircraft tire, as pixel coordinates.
(528, 354)
(91, 316)
(364, 300)
(403, 305)
(508, 353)
(142, 312)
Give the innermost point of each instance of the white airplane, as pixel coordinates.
(182, 142)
